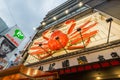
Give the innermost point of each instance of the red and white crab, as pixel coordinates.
(69, 41)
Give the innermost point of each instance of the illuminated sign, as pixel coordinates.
(18, 34)
(15, 35)
(89, 31)
(92, 66)
(75, 35)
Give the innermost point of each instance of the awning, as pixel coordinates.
(21, 72)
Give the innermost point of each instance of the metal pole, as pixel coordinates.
(109, 20)
(82, 39)
(79, 29)
(109, 32)
(57, 38)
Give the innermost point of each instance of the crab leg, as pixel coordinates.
(71, 28)
(70, 21)
(72, 25)
(45, 56)
(83, 30)
(43, 35)
(87, 22)
(89, 27)
(37, 52)
(39, 49)
(80, 46)
(36, 48)
(84, 36)
(37, 43)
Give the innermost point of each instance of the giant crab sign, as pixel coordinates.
(60, 40)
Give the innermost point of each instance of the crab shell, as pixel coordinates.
(57, 40)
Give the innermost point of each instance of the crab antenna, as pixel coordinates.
(44, 49)
(79, 30)
(57, 38)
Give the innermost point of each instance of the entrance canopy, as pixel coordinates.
(21, 72)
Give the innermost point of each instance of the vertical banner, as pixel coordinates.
(6, 49)
(15, 36)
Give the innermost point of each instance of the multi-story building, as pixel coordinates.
(3, 27)
(80, 40)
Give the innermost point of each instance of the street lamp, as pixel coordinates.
(34, 28)
(80, 4)
(109, 20)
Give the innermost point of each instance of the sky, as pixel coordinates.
(26, 13)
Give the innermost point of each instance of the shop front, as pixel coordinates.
(21, 72)
(104, 70)
(81, 48)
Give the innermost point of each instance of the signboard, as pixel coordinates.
(15, 35)
(92, 28)
(6, 49)
(92, 66)
(85, 59)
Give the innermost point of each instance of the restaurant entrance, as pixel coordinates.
(105, 70)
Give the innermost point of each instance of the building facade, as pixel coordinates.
(78, 38)
(3, 27)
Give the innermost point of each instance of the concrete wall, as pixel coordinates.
(110, 7)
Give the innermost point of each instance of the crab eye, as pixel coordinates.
(78, 29)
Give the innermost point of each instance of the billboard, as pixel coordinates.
(15, 35)
(74, 35)
(6, 49)
(103, 55)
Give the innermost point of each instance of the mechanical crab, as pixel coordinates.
(70, 41)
